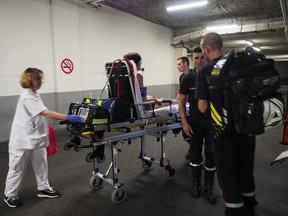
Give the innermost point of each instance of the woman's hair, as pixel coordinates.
(28, 75)
(136, 57)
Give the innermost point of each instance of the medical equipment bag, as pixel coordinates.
(101, 111)
(243, 94)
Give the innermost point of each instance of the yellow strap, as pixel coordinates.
(88, 133)
(99, 103)
(215, 72)
(100, 121)
(216, 120)
(215, 115)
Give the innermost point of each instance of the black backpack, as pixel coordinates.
(243, 94)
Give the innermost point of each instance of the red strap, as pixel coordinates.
(131, 69)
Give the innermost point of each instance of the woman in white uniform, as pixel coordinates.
(29, 139)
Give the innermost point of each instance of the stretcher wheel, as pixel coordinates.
(118, 195)
(89, 158)
(67, 146)
(101, 159)
(146, 165)
(96, 182)
(171, 172)
(77, 148)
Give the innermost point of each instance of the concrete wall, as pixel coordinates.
(42, 33)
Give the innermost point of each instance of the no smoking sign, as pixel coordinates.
(67, 66)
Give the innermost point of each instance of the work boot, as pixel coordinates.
(196, 176)
(235, 211)
(208, 189)
(249, 205)
(251, 213)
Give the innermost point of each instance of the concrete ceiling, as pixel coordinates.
(263, 22)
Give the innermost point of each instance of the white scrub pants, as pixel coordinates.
(18, 160)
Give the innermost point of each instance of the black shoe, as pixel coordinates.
(196, 192)
(13, 201)
(251, 213)
(210, 196)
(48, 193)
(196, 189)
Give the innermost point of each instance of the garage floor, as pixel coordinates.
(148, 193)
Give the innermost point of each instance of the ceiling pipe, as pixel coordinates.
(248, 28)
(228, 12)
(284, 12)
(233, 17)
(93, 3)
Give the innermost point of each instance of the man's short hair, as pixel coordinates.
(184, 59)
(213, 40)
(197, 50)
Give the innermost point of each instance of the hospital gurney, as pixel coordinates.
(110, 128)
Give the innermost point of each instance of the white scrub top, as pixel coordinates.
(29, 129)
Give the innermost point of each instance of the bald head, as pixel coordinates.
(211, 45)
(212, 40)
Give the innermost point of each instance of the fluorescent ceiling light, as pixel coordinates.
(249, 43)
(257, 49)
(221, 27)
(190, 5)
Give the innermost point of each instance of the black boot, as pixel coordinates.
(208, 189)
(196, 175)
(235, 211)
(249, 205)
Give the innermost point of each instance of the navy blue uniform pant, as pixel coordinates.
(201, 138)
(234, 157)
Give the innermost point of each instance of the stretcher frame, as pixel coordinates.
(157, 126)
(283, 155)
